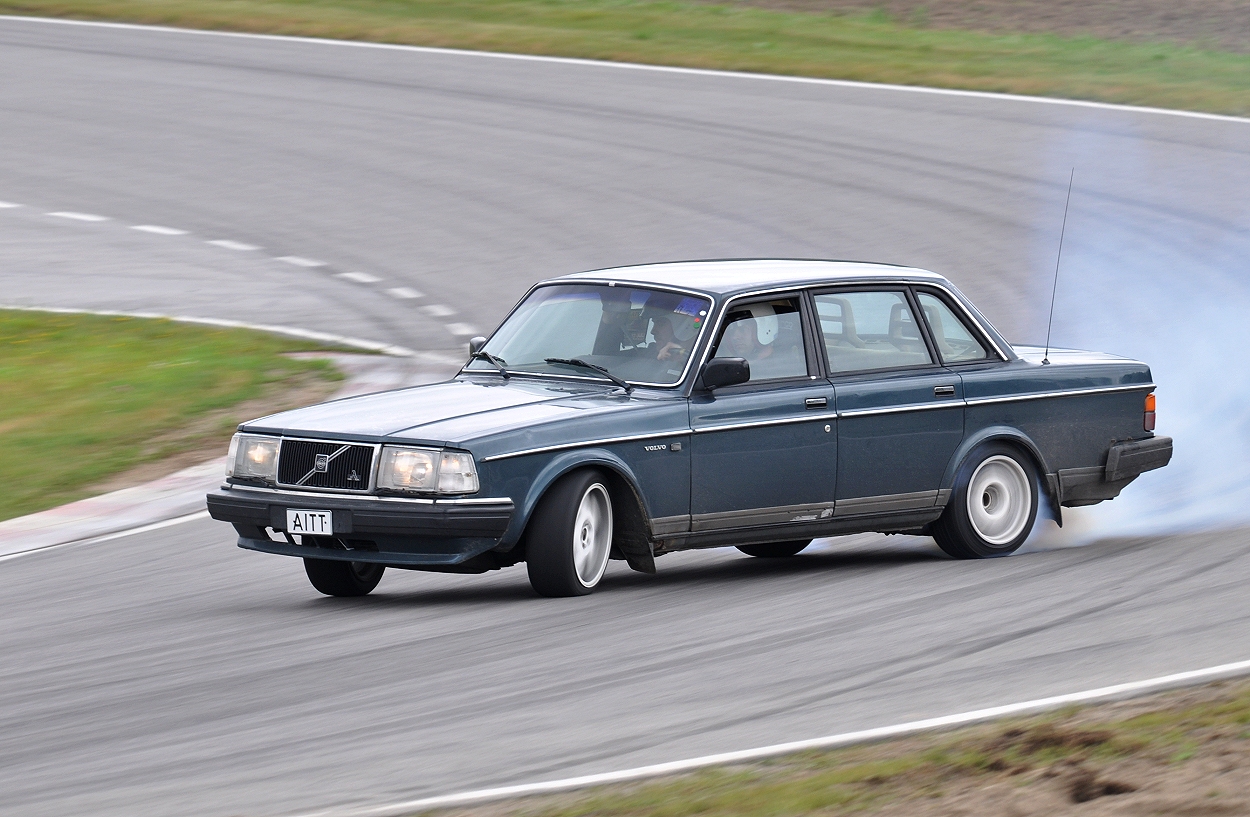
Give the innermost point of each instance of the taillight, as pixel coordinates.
(1148, 418)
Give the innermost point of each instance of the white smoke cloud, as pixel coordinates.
(1156, 266)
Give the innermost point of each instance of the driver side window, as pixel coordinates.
(769, 335)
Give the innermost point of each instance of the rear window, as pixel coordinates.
(863, 331)
(955, 341)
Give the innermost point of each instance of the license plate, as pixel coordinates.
(310, 523)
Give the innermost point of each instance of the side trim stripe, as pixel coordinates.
(805, 418)
(565, 446)
(1041, 395)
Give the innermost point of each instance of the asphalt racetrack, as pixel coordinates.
(171, 673)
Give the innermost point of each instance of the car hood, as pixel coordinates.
(446, 413)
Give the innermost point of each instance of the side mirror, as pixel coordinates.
(725, 371)
(476, 344)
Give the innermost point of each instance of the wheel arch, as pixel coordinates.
(1022, 443)
(630, 511)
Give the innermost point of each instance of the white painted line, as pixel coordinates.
(78, 216)
(233, 245)
(95, 540)
(5, 205)
(405, 292)
(158, 230)
(463, 329)
(299, 261)
(1128, 690)
(438, 310)
(631, 66)
(289, 331)
(360, 277)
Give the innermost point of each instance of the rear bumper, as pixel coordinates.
(385, 530)
(1125, 462)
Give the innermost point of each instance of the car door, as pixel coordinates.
(764, 452)
(900, 413)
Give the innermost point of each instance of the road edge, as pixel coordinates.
(1107, 693)
(637, 66)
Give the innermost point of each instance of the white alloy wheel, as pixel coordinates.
(1000, 500)
(592, 535)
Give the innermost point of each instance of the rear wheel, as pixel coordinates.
(335, 578)
(570, 536)
(775, 550)
(993, 506)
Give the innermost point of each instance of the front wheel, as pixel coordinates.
(570, 536)
(993, 506)
(335, 578)
(775, 550)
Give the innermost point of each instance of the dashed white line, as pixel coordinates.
(405, 292)
(158, 230)
(461, 329)
(360, 277)
(78, 216)
(438, 310)
(233, 245)
(300, 261)
(4, 205)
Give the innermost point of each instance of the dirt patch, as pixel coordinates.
(1178, 753)
(1216, 24)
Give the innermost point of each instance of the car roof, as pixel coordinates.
(729, 277)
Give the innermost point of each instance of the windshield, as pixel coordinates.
(640, 335)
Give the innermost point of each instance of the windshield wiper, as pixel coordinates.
(575, 362)
(497, 362)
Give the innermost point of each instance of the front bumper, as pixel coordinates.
(420, 533)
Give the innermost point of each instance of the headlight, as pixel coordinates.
(426, 469)
(252, 457)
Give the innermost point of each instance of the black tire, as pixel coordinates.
(335, 578)
(775, 550)
(1003, 483)
(570, 535)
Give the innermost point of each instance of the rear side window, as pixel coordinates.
(955, 342)
(870, 330)
(769, 335)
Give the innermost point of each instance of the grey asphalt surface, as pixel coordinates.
(170, 673)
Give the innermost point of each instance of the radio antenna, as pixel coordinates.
(1051, 320)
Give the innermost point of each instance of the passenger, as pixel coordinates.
(742, 340)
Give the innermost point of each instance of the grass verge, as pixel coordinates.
(671, 32)
(88, 398)
(1178, 753)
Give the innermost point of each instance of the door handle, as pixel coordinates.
(943, 391)
(816, 402)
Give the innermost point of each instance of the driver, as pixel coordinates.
(665, 340)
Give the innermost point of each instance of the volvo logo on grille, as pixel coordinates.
(322, 463)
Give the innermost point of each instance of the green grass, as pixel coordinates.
(1063, 748)
(89, 397)
(867, 47)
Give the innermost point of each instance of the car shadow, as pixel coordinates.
(729, 569)
(722, 565)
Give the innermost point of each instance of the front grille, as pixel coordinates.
(347, 466)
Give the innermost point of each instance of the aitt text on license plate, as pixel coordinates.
(316, 523)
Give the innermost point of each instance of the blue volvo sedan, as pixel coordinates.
(632, 412)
